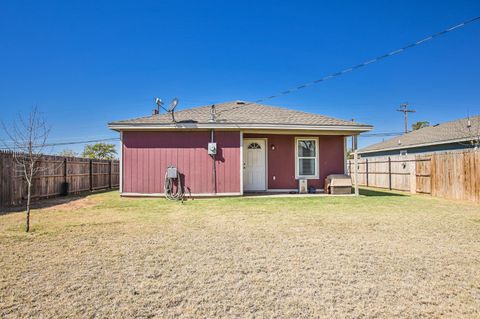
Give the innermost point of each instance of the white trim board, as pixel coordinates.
(241, 162)
(121, 163)
(145, 126)
(345, 155)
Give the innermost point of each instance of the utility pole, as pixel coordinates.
(405, 110)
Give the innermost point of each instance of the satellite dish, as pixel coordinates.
(171, 108)
(173, 105)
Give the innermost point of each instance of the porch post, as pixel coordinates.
(241, 163)
(355, 170)
(120, 176)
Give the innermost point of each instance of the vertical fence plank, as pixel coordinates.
(109, 174)
(65, 170)
(389, 173)
(366, 170)
(90, 174)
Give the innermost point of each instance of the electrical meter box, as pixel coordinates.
(212, 148)
(171, 172)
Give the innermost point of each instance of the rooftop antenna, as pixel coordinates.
(171, 109)
(213, 114)
(469, 123)
(159, 103)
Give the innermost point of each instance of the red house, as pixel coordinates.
(258, 148)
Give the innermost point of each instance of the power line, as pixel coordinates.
(361, 65)
(67, 143)
(84, 142)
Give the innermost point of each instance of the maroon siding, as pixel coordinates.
(146, 155)
(281, 161)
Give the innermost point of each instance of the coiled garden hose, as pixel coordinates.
(170, 193)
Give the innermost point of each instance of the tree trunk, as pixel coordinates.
(29, 194)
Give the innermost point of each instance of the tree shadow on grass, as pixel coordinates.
(378, 192)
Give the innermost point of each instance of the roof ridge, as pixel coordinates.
(295, 110)
(245, 112)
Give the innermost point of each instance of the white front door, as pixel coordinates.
(254, 162)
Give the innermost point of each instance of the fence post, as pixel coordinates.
(389, 173)
(110, 174)
(366, 169)
(90, 171)
(65, 171)
(355, 168)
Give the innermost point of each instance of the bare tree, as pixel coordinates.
(67, 153)
(28, 138)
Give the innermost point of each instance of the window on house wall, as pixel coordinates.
(306, 158)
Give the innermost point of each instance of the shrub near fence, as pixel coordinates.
(452, 175)
(81, 174)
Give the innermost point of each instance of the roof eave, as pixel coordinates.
(148, 126)
(401, 147)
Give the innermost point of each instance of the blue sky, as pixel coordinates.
(85, 63)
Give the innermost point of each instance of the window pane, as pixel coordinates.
(306, 148)
(306, 166)
(254, 146)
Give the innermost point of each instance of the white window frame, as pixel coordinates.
(297, 175)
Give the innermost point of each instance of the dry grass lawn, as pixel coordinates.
(372, 256)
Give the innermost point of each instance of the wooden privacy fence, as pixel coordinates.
(81, 175)
(453, 175)
(392, 172)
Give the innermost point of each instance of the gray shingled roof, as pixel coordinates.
(439, 134)
(239, 112)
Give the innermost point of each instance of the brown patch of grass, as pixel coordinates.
(61, 204)
(378, 256)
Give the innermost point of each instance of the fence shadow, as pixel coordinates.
(51, 202)
(375, 192)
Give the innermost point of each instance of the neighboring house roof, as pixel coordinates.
(445, 133)
(241, 114)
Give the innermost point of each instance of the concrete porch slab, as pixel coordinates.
(280, 195)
